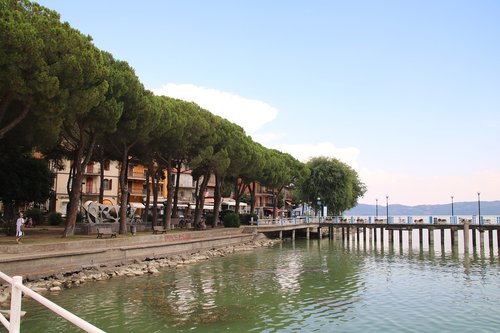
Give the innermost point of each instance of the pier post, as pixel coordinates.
(375, 234)
(420, 236)
(431, 236)
(498, 240)
(490, 239)
(442, 239)
(474, 240)
(308, 233)
(364, 234)
(391, 236)
(466, 236)
(481, 239)
(357, 235)
(454, 236)
(348, 233)
(410, 238)
(293, 234)
(400, 238)
(382, 235)
(343, 234)
(281, 234)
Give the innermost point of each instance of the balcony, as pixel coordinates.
(92, 170)
(138, 192)
(136, 175)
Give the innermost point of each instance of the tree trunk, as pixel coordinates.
(217, 198)
(275, 204)
(149, 176)
(101, 185)
(80, 163)
(124, 192)
(167, 218)
(252, 197)
(155, 196)
(200, 199)
(239, 188)
(176, 190)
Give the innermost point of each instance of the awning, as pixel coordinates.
(136, 205)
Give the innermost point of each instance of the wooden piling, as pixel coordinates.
(466, 236)
(357, 235)
(410, 237)
(400, 238)
(431, 236)
(474, 241)
(420, 236)
(375, 235)
(490, 239)
(442, 239)
(481, 239)
(308, 233)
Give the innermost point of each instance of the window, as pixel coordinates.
(108, 184)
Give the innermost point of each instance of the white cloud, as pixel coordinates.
(305, 151)
(250, 114)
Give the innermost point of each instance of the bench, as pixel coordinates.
(159, 229)
(105, 231)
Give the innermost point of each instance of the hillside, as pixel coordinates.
(459, 208)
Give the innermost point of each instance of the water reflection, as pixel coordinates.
(311, 285)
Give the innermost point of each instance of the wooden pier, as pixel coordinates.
(481, 235)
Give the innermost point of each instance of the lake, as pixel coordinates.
(302, 286)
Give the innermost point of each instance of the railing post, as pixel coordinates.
(15, 305)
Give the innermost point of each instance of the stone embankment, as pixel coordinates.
(57, 282)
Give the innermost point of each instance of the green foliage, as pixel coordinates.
(55, 219)
(23, 178)
(231, 220)
(336, 183)
(209, 219)
(247, 218)
(35, 214)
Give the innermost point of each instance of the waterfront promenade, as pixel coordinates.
(43, 252)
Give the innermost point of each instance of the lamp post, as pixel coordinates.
(387, 207)
(376, 207)
(319, 207)
(479, 206)
(452, 206)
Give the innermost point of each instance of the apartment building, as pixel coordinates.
(90, 185)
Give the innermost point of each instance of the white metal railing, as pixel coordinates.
(14, 325)
(420, 219)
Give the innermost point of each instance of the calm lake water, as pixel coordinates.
(301, 286)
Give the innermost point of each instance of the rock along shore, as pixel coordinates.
(65, 280)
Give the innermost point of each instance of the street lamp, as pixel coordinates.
(376, 207)
(479, 206)
(319, 206)
(452, 206)
(387, 207)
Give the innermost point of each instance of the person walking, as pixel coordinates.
(19, 228)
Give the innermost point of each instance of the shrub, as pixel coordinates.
(35, 214)
(246, 218)
(231, 220)
(79, 217)
(55, 218)
(209, 219)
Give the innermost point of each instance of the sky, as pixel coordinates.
(405, 92)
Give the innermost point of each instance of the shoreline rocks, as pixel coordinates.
(66, 280)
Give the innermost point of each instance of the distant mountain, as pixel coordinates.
(459, 208)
